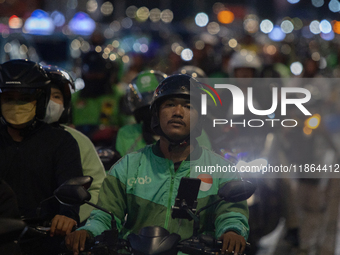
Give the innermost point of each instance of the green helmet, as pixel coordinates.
(140, 91)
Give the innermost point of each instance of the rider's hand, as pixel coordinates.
(76, 241)
(62, 225)
(233, 242)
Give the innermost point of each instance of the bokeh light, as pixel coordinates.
(131, 11)
(142, 13)
(201, 19)
(296, 68)
(314, 27)
(251, 23)
(155, 15)
(336, 27)
(327, 37)
(293, 1)
(15, 22)
(232, 43)
(298, 24)
(266, 26)
(167, 16)
(325, 26)
(316, 56)
(58, 18)
(318, 3)
(225, 17)
(91, 6)
(187, 54)
(213, 28)
(334, 6)
(276, 34)
(106, 8)
(287, 26)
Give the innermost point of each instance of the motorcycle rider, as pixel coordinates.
(57, 114)
(35, 158)
(139, 96)
(143, 185)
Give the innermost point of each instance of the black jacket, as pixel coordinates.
(35, 167)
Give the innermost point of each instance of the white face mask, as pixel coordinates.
(53, 112)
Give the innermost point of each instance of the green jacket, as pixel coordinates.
(92, 166)
(102, 110)
(130, 139)
(143, 185)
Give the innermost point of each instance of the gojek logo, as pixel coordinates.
(204, 98)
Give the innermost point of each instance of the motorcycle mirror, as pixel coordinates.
(10, 230)
(72, 194)
(84, 181)
(236, 191)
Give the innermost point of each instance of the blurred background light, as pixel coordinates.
(293, 1)
(106, 8)
(287, 26)
(115, 26)
(201, 19)
(91, 6)
(325, 26)
(142, 13)
(58, 18)
(318, 3)
(276, 34)
(334, 6)
(298, 24)
(225, 17)
(314, 27)
(82, 24)
(232, 43)
(266, 26)
(167, 16)
(15, 22)
(155, 15)
(251, 23)
(131, 11)
(218, 7)
(316, 56)
(213, 28)
(126, 23)
(336, 26)
(327, 37)
(187, 54)
(39, 23)
(296, 68)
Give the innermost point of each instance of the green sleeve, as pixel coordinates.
(112, 197)
(232, 217)
(92, 166)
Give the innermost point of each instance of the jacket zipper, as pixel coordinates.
(168, 210)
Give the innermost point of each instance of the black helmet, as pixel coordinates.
(25, 74)
(140, 91)
(98, 73)
(63, 81)
(193, 71)
(177, 85)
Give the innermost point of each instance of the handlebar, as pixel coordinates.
(204, 245)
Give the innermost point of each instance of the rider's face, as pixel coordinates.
(177, 117)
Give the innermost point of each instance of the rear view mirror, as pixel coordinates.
(84, 181)
(72, 194)
(236, 191)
